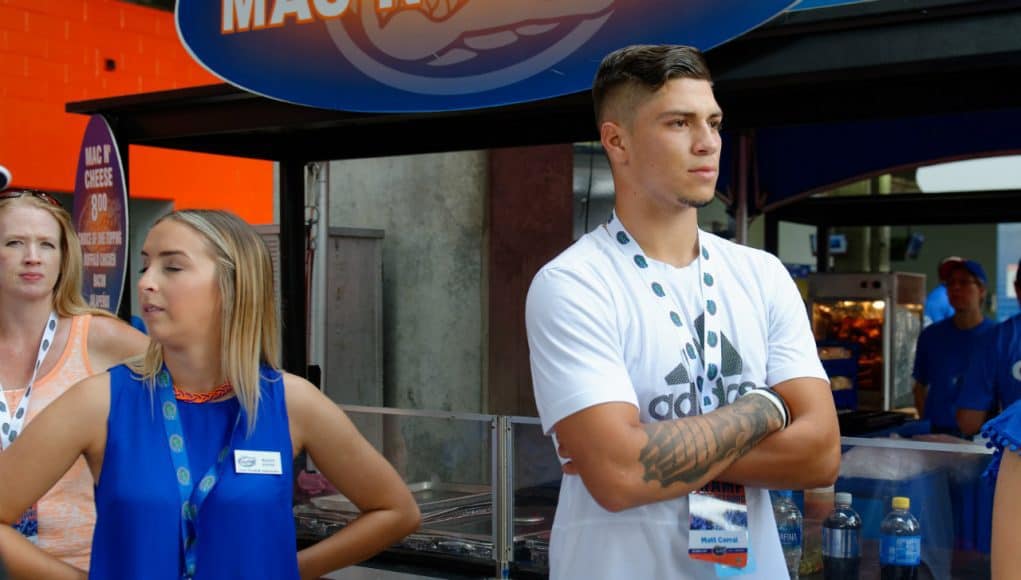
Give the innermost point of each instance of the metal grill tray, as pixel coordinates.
(459, 523)
(431, 496)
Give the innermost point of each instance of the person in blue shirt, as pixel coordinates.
(993, 379)
(937, 304)
(941, 357)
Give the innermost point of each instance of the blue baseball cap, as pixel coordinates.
(971, 266)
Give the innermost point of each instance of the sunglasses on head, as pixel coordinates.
(15, 194)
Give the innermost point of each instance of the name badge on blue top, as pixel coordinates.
(257, 462)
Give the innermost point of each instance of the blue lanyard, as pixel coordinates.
(192, 496)
(704, 371)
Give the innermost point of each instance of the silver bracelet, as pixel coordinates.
(778, 402)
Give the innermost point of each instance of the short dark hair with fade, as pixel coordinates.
(645, 66)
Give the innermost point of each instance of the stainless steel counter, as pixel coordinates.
(360, 573)
(367, 573)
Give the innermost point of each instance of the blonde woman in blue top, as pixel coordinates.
(192, 445)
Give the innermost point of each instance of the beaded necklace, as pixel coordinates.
(217, 393)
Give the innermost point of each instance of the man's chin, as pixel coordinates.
(695, 202)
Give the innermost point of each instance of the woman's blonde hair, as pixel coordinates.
(67, 292)
(249, 336)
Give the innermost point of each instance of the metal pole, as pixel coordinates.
(321, 247)
(891, 300)
(741, 193)
(292, 266)
(822, 248)
(503, 515)
(772, 234)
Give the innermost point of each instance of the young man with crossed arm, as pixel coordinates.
(652, 346)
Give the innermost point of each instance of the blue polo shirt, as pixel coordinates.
(993, 377)
(941, 360)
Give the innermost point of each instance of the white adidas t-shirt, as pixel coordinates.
(596, 334)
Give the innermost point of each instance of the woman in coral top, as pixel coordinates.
(49, 340)
(192, 445)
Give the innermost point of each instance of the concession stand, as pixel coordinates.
(813, 98)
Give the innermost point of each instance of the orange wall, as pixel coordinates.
(55, 51)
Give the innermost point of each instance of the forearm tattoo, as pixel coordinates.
(686, 449)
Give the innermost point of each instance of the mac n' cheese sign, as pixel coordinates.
(433, 55)
(101, 216)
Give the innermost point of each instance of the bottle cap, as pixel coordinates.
(901, 503)
(842, 498)
(785, 493)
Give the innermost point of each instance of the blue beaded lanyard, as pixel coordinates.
(192, 497)
(703, 374)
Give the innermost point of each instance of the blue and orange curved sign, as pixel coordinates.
(435, 55)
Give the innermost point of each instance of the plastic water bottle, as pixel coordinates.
(789, 525)
(841, 540)
(900, 543)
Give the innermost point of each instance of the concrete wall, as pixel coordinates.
(432, 209)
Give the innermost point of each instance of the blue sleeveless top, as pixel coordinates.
(245, 528)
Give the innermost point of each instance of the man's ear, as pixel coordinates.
(614, 140)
